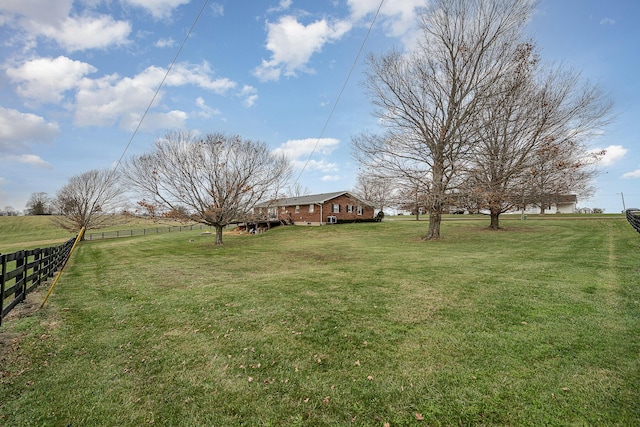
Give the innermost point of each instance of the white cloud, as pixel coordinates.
(217, 9)
(88, 32)
(175, 119)
(283, 5)
(158, 8)
(608, 21)
(17, 128)
(33, 11)
(397, 17)
(29, 159)
(105, 101)
(300, 151)
(633, 174)
(303, 148)
(292, 44)
(186, 73)
(330, 178)
(205, 110)
(250, 95)
(31, 19)
(46, 79)
(613, 153)
(318, 165)
(166, 43)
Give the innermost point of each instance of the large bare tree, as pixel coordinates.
(430, 99)
(530, 143)
(93, 199)
(218, 178)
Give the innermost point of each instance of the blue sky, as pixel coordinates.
(76, 76)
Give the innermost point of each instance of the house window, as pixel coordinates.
(297, 208)
(350, 208)
(311, 208)
(359, 210)
(335, 208)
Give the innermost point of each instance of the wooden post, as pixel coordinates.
(3, 271)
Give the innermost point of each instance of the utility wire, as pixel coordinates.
(164, 78)
(344, 85)
(155, 95)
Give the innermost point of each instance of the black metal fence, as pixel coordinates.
(633, 216)
(25, 270)
(144, 231)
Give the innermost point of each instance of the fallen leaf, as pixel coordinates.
(386, 425)
(326, 400)
(357, 363)
(370, 377)
(250, 379)
(419, 416)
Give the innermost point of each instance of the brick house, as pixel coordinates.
(317, 209)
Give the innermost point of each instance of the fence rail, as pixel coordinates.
(144, 231)
(25, 270)
(633, 216)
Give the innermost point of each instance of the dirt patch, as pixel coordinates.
(29, 306)
(9, 340)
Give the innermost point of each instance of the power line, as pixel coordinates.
(344, 85)
(164, 78)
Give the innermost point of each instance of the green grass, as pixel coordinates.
(357, 324)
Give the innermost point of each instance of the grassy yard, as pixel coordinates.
(363, 325)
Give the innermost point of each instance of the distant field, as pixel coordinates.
(353, 325)
(29, 232)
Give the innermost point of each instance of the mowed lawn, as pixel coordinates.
(358, 324)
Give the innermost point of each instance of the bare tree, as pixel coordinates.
(218, 179)
(91, 200)
(39, 204)
(558, 169)
(296, 190)
(10, 211)
(429, 100)
(379, 190)
(530, 143)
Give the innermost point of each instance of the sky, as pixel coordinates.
(76, 77)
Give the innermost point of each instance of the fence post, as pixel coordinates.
(20, 278)
(3, 270)
(37, 267)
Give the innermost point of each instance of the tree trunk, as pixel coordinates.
(219, 234)
(495, 218)
(434, 226)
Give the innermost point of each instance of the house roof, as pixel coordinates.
(309, 200)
